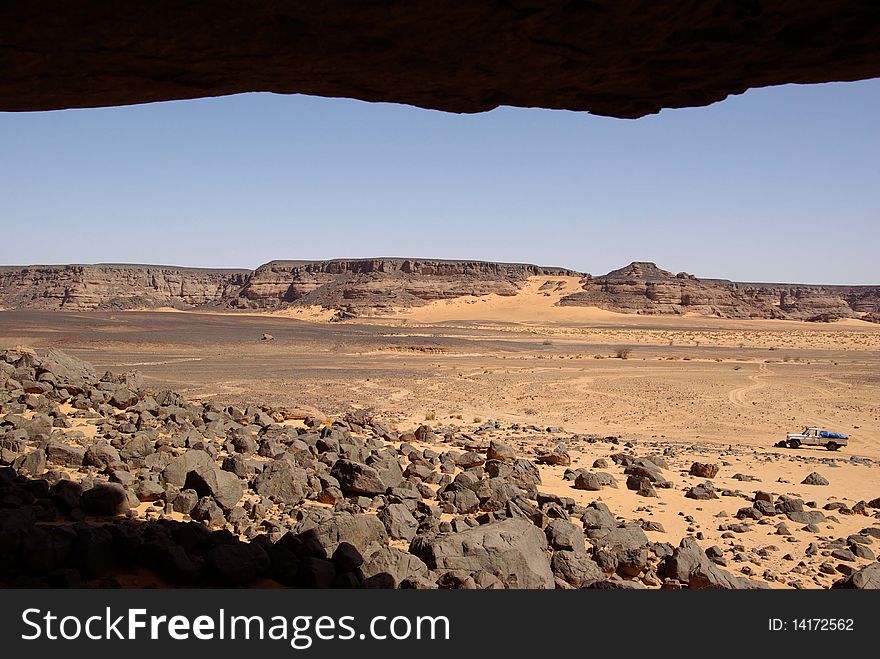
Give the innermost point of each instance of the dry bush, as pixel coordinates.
(622, 353)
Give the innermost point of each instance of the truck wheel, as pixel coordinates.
(832, 446)
(794, 443)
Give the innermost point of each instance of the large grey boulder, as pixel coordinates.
(63, 454)
(67, 368)
(514, 550)
(815, 478)
(594, 480)
(283, 480)
(196, 470)
(320, 538)
(690, 565)
(358, 478)
(392, 565)
(868, 578)
(576, 568)
(399, 521)
(106, 499)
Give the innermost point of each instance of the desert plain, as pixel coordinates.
(538, 378)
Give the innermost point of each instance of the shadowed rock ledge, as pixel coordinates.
(621, 58)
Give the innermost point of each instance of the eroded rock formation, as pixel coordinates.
(621, 58)
(382, 283)
(116, 286)
(357, 286)
(644, 288)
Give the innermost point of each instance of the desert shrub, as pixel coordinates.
(622, 353)
(430, 416)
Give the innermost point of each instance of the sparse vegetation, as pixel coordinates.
(623, 353)
(431, 416)
(478, 419)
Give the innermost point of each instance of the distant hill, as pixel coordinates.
(380, 284)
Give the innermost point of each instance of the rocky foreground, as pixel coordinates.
(106, 483)
(369, 286)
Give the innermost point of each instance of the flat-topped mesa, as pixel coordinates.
(365, 286)
(116, 286)
(382, 283)
(643, 288)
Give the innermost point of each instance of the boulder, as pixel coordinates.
(63, 454)
(398, 521)
(558, 457)
(594, 480)
(575, 569)
(237, 564)
(690, 565)
(282, 480)
(513, 550)
(196, 470)
(565, 536)
(394, 564)
(701, 492)
(357, 478)
(806, 516)
(321, 538)
(106, 499)
(868, 578)
(501, 452)
(101, 455)
(704, 470)
(815, 479)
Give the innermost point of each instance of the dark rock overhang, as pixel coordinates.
(621, 58)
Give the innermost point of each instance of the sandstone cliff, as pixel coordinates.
(369, 285)
(382, 283)
(646, 289)
(116, 286)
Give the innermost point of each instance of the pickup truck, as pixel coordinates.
(816, 437)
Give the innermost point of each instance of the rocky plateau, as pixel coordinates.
(369, 286)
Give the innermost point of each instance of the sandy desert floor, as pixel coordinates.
(519, 359)
(694, 388)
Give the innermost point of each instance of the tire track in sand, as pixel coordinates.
(738, 396)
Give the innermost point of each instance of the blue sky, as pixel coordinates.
(778, 184)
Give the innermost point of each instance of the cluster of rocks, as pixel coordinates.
(103, 479)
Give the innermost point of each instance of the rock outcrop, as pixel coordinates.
(356, 286)
(116, 286)
(621, 58)
(643, 288)
(382, 283)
